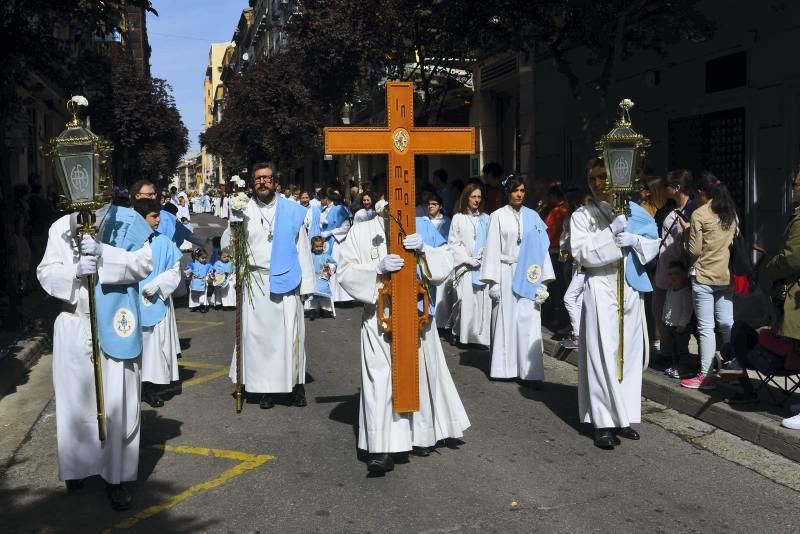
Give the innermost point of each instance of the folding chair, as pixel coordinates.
(785, 381)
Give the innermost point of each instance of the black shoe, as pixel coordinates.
(379, 464)
(266, 402)
(151, 397)
(627, 433)
(204, 309)
(75, 484)
(299, 399)
(422, 452)
(218, 307)
(119, 496)
(604, 438)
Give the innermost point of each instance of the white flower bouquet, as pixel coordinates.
(239, 201)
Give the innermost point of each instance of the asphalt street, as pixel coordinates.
(524, 465)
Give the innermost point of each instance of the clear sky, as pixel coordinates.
(180, 38)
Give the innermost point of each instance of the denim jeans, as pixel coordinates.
(713, 306)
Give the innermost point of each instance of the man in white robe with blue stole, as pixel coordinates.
(160, 341)
(381, 431)
(598, 240)
(279, 272)
(120, 263)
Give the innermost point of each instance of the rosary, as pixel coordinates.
(519, 229)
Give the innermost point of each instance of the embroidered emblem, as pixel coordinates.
(124, 322)
(534, 273)
(400, 140)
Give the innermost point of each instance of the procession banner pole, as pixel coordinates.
(239, 243)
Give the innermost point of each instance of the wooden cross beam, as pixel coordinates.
(401, 141)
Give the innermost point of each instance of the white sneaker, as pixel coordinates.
(792, 422)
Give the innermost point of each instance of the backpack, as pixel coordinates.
(740, 264)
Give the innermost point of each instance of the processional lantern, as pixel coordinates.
(400, 140)
(82, 162)
(623, 151)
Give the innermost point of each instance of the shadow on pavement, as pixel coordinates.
(477, 358)
(561, 400)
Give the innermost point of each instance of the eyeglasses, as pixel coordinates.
(262, 178)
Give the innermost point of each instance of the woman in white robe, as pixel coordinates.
(609, 405)
(224, 209)
(335, 225)
(367, 210)
(441, 415)
(517, 347)
(81, 454)
(444, 293)
(472, 309)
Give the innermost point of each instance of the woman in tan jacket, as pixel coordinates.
(711, 231)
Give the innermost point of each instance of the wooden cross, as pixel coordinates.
(401, 141)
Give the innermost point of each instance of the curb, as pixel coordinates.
(20, 357)
(758, 427)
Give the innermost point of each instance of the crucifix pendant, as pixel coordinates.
(519, 241)
(269, 237)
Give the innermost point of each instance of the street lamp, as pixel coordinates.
(623, 151)
(81, 159)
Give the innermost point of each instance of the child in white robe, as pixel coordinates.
(199, 271)
(224, 291)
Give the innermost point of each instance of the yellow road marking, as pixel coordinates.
(187, 321)
(205, 378)
(200, 365)
(247, 462)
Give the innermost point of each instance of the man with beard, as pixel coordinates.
(278, 272)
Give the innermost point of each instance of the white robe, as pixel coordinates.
(445, 296)
(273, 329)
(80, 452)
(472, 309)
(339, 238)
(441, 413)
(602, 399)
(224, 209)
(364, 215)
(160, 343)
(517, 347)
(226, 296)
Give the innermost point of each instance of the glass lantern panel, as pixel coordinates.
(621, 163)
(78, 173)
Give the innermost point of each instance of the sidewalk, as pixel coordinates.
(20, 349)
(757, 423)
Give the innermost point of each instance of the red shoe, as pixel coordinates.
(700, 381)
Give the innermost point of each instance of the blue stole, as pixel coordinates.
(118, 315)
(200, 273)
(285, 273)
(323, 286)
(165, 255)
(642, 224)
(313, 230)
(431, 237)
(337, 215)
(481, 231)
(532, 254)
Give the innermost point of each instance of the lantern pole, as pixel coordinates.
(623, 152)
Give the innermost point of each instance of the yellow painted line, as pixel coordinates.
(196, 329)
(205, 378)
(200, 365)
(247, 462)
(187, 321)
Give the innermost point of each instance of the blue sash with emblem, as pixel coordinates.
(165, 255)
(118, 316)
(285, 273)
(323, 286)
(532, 254)
(642, 224)
(481, 231)
(170, 227)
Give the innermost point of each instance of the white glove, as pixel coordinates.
(325, 235)
(413, 242)
(473, 262)
(494, 292)
(541, 294)
(86, 265)
(620, 224)
(150, 290)
(625, 239)
(90, 247)
(390, 263)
